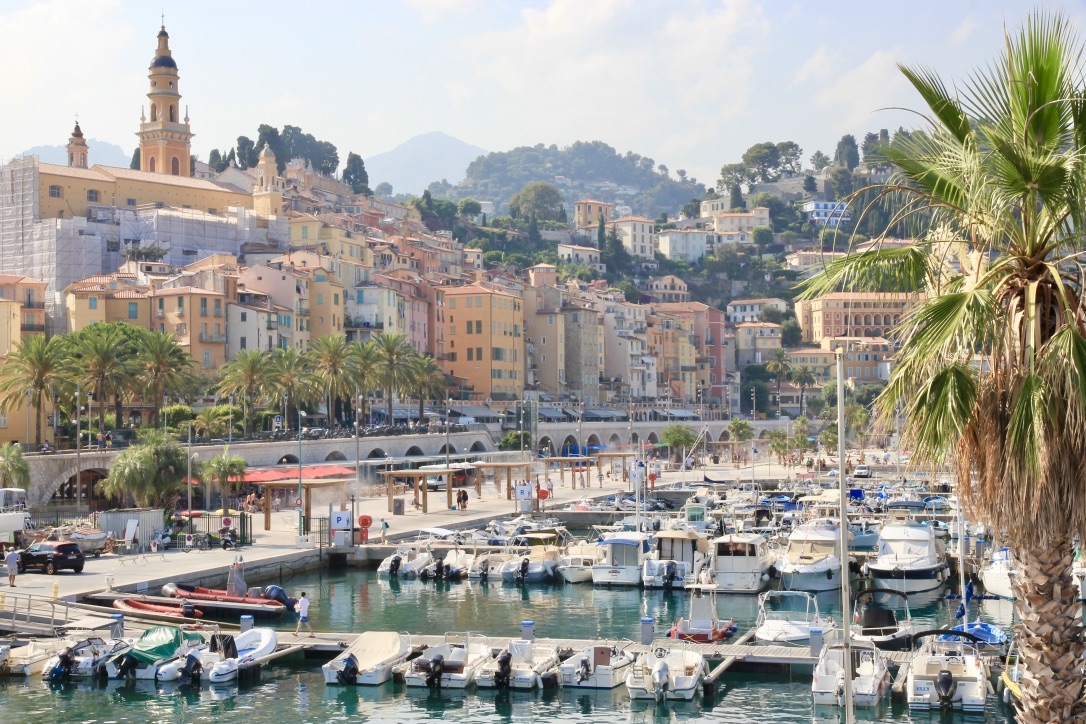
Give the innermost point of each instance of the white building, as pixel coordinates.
(738, 222)
(689, 245)
(585, 255)
(827, 213)
(253, 323)
(750, 310)
(637, 235)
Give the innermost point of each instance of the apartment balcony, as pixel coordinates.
(203, 311)
(218, 312)
(212, 338)
(272, 325)
(33, 305)
(32, 327)
(160, 313)
(302, 309)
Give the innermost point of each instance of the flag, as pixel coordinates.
(960, 613)
(968, 592)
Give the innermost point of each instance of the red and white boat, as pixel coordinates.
(183, 609)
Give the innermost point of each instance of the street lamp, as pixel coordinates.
(357, 435)
(301, 416)
(29, 394)
(165, 399)
(448, 421)
(754, 418)
(78, 467)
(230, 423)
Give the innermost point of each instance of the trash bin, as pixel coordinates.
(397, 506)
(716, 460)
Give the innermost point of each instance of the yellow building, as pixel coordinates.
(851, 314)
(822, 362)
(30, 294)
(587, 213)
(755, 342)
(485, 343)
(197, 318)
(13, 421)
(116, 297)
(865, 357)
(165, 139)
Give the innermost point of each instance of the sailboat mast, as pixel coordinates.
(846, 659)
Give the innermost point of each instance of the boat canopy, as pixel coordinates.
(439, 532)
(162, 642)
(642, 542)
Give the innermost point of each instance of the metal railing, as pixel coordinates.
(26, 613)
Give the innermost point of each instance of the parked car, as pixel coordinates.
(861, 471)
(52, 556)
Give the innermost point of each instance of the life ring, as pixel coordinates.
(661, 652)
(365, 521)
(154, 546)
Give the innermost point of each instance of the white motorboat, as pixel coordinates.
(369, 660)
(248, 646)
(740, 563)
(81, 658)
(625, 554)
(789, 616)
(576, 561)
(878, 623)
(520, 665)
(30, 659)
(539, 563)
(669, 671)
(487, 566)
(454, 566)
(946, 674)
(156, 647)
(451, 665)
(405, 563)
(597, 667)
(910, 558)
(680, 555)
(812, 559)
(868, 670)
(197, 663)
(997, 576)
(702, 625)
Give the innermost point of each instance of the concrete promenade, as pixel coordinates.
(274, 554)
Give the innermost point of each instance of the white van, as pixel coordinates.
(12, 499)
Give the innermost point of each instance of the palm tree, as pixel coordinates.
(292, 375)
(804, 377)
(364, 363)
(426, 381)
(36, 368)
(779, 366)
(333, 365)
(393, 353)
(226, 470)
(151, 472)
(998, 185)
(162, 364)
(247, 376)
(14, 469)
(209, 422)
(104, 367)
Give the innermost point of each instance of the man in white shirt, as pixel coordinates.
(303, 615)
(12, 559)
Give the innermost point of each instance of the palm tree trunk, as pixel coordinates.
(1049, 635)
(37, 421)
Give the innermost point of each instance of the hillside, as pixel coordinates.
(416, 162)
(107, 154)
(582, 169)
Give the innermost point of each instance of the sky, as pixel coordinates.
(689, 83)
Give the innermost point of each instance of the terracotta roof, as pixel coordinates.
(16, 279)
(73, 171)
(475, 289)
(128, 174)
(178, 291)
(756, 301)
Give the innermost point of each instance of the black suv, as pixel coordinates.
(51, 556)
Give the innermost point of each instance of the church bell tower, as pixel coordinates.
(165, 140)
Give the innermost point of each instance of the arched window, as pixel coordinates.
(856, 321)
(172, 114)
(154, 113)
(151, 166)
(175, 166)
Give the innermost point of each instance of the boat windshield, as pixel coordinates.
(800, 552)
(904, 550)
(786, 607)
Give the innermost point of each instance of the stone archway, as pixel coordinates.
(546, 446)
(614, 441)
(653, 438)
(66, 492)
(725, 436)
(570, 445)
(414, 451)
(763, 435)
(634, 438)
(288, 459)
(335, 455)
(478, 446)
(449, 449)
(377, 453)
(593, 442)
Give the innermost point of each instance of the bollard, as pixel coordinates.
(527, 630)
(109, 582)
(56, 591)
(816, 642)
(648, 630)
(116, 629)
(246, 622)
(3, 599)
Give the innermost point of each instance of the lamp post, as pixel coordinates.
(189, 475)
(357, 435)
(286, 422)
(29, 394)
(78, 467)
(301, 415)
(165, 399)
(843, 529)
(448, 424)
(754, 418)
(230, 422)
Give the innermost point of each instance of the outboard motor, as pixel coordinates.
(671, 572)
(187, 609)
(126, 667)
(505, 670)
(63, 669)
(275, 593)
(523, 572)
(437, 668)
(448, 571)
(661, 682)
(193, 667)
(101, 675)
(484, 574)
(394, 566)
(439, 569)
(347, 676)
(946, 687)
(583, 670)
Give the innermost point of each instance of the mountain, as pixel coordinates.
(107, 154)
(412, 165)
(585, 168)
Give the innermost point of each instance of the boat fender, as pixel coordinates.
(394, 566)
(347, 676)
(866, 570)
(437, 668)
(1006, 695)
(945, 687)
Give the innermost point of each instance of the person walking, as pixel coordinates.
(303, 615)
(101, 441)
(109, 440)
(384, 531)
(12, 559)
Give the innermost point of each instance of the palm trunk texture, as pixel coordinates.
(1049, 635)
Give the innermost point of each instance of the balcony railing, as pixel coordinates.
(218, 312)
(303, 308)
(273, 324)
(33, 305)
(32, 327)
(213, 338)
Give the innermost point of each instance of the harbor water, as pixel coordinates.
(355, 601)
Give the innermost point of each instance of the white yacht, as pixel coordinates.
(739, 563)
(788, 617)
(405, 563)
(998, 574)
(910, 558)
(520, 665)
(537, 564)
(625, 554)
(576, 561)
(80, 658)
(369, 660)
(451, 665)
(669, 671)
(454, 566)
(680, 555)
(597, 667)
(812, 559)
(947, 674)
(868, 670)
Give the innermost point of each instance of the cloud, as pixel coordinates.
(964, 31)
(856, 95)
(817, 67)
(436, 11)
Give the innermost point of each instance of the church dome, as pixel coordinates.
(163, 61)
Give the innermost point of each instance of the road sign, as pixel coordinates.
(341, 520)
(278, 420)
